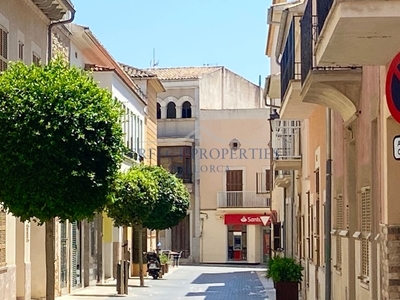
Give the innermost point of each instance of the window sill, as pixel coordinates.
(343, 233)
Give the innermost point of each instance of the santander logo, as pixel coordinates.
(245, 219)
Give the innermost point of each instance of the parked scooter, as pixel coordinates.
(153, 264)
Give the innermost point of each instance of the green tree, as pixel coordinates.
(61, 146)
(135, 194)
(173, 201)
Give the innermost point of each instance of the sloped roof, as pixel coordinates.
(182, 72)
(97, 68)
(136, 72)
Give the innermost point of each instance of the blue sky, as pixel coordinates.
(231, 33)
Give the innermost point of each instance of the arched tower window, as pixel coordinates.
(158, 111)
(171, 110)
(186, 110)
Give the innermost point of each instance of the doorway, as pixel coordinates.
(266, 245)
(237, 243)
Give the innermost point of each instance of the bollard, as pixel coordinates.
(119, 283)
(126, 277)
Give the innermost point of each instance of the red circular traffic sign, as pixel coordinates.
(393, 88)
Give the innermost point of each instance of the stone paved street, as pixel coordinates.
(194, 283)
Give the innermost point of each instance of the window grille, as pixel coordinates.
(365, 229)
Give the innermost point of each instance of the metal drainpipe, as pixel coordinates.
(52, 24)
(292, 212)
(328, 205)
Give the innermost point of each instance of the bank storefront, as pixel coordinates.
(236, 238)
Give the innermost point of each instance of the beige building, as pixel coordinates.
(24, 31)
(209, 129)
(334, 59)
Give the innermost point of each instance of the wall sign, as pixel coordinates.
(396, 147)
(247, 219)
(393, 88)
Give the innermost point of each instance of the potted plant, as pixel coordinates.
(287, 274)
(164, 262)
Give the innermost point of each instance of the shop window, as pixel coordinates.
(177, 160)
(237, 243)
(186, 110)
(171, 110)
(158, 111)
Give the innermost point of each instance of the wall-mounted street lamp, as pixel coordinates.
(273, 116)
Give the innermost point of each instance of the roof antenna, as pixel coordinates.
(153, 62)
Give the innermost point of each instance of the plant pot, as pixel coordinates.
(287, 291)
(162, 269)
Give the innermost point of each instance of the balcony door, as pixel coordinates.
(234, 188)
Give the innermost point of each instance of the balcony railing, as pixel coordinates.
(286, 139)
(242, 199)
(290, 69)
(307, 41)
(323, 8)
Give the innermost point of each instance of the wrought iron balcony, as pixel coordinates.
(240, 199)
(290, 67)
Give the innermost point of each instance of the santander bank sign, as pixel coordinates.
(246, 219)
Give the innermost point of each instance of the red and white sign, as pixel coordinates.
(393, 88)
(246, 219)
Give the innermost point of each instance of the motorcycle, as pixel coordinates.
(153, 265)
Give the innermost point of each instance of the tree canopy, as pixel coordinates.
(61, 142)
(172, 203)
(135, 194)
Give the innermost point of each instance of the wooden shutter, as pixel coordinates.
(268, 186)
(234, 180)
(339, 226)
(365, 229)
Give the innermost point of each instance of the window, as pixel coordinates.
(171, 110)
(234, 188)
(36, 59)
(20, 50)
(186, 110)
(3, 49)
(158, 111)
(365, 229)
(177, 160)
(277, 236)
(2, 237)
(263, 182)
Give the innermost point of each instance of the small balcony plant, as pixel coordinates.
(287, 274)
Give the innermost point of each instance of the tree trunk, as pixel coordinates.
(50, 259)
(140, 246)
(157, 241)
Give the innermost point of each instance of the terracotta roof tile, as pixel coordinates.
(182, 72)
(97, 68)
(135, 72)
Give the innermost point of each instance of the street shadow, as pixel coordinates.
(232, 286)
